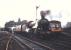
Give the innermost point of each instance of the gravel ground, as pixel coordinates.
(13, 45)
(4, 37)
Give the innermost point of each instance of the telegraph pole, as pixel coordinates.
(36, 16)
(36, 12)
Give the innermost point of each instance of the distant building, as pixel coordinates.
(13, 24)
(19, 20)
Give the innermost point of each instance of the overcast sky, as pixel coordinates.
(26, 9)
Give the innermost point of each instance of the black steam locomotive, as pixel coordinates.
(46, 27)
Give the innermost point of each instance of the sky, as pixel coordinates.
(26, 9)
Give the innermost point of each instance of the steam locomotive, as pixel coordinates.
(47, 28)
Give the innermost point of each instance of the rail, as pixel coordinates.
(32, 44)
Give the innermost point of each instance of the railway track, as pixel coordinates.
(62, 42)
(32, 45)
(16, 45)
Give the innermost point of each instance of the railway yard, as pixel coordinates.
(35, 25)
(9, 41)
